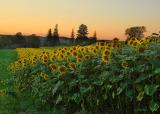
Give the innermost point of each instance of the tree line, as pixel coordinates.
(54, 39)
(19, 41)
(80, 38)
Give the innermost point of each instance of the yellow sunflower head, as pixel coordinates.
(107, 52)
(87, 57)
(74, 53)
(135, 44)
(105, 58)
(72, 66)
(60, 57)
(44, 76)
(115, 40)
(53, 67)
(125, 64)
(62, 69)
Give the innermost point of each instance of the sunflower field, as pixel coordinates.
(113, 78)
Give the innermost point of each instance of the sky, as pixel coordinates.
(109, 18)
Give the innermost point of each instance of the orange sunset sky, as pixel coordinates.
(109, 18)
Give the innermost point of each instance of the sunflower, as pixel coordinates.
(115, 40)
(60, 57)
(33, 62)
(130, 42)
(80, 56)
(94, 51)
(86, 50)
(53, 67)
(86, 57)
(2, 91)
(63, 51)
(59, 49)
(115, 45)
(81, 49)
(74, 48)
(62, 69)
(68, 53)
(97, 47)
(101, 44)
(72, 66)
(125, 64)
(52, 58)
(109, 45)
(44, 76)
(107, 52)
(74, 53)
(105, 58)
(44, 60)
(135, 43)
(51, 53)
(79, 60)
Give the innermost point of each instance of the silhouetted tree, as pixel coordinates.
(49, 35)
(50, 40)
(56, 35)
(82, 34)
(93, 39)
(95, 36)
(135, 32)
(72, 35)
(19, 40)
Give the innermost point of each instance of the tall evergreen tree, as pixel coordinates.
(56, 35)
(72, 35)
(49, 35)
(50, 40)
(95, 36)
(93, 39)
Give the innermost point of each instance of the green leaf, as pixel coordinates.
(98, 83)
(59, 99)
(77, 97)
(105, 96)
(97, 103)
(129, 93)
(84, 90)
(139, 87)
(58, 84)
(153, 106)
(109, 87)
(157, 71)
(113, 95)
(115, 79)
(140, 96)
(119, 90)
(140, 79)
(150, 89)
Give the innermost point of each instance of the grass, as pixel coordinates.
(6, 57)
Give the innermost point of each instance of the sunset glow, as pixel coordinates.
(109, 18)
